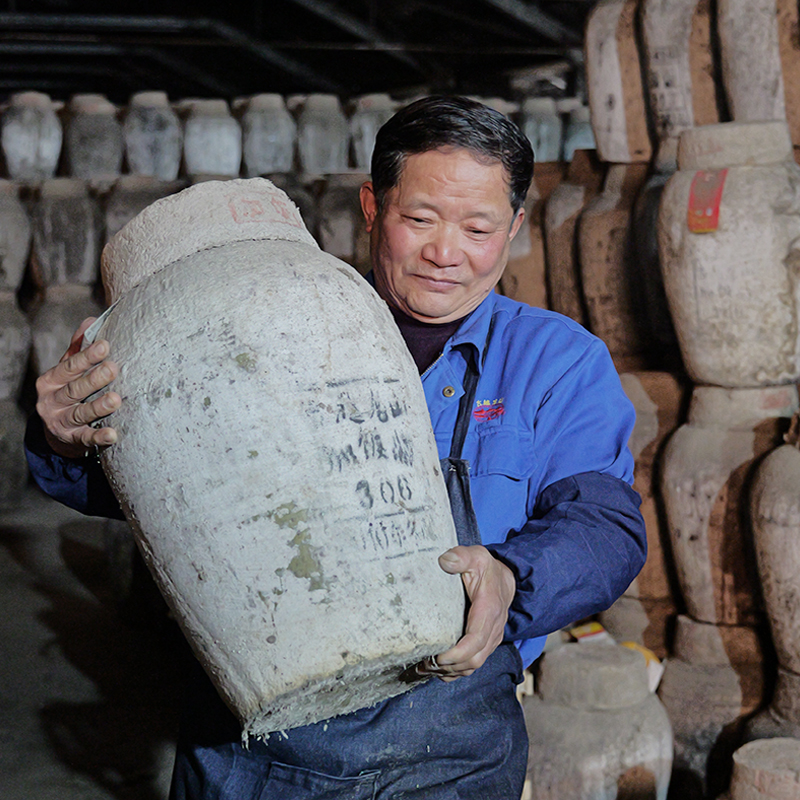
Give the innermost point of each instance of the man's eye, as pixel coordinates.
(479, 232)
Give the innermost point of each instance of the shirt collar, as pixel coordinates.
(475, 329)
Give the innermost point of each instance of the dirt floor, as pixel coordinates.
(89, 687)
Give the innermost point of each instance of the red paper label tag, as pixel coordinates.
(705, 196)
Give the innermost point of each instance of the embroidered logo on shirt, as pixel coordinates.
(489, 409)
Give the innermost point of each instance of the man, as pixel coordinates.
(549, 527)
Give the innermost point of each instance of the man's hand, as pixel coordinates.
(62, 390)
(490, 586)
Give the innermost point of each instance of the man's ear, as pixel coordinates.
(516, 224)
(369, 204)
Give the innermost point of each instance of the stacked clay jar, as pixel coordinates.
(728, 227)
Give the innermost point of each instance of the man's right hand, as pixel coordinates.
(62, 390)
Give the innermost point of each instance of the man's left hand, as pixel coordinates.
(490, 586)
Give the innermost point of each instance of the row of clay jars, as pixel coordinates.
(760, 70)
(210, 140)
(644, 611)
(69, 225)
(728, 230)
(595, 729)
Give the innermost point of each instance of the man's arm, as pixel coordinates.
(584, 540)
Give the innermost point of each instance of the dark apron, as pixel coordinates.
(461, 740)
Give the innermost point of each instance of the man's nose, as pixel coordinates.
(443, 249)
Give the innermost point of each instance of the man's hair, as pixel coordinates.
(437, 122)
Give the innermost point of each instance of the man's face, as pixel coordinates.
(440, 243)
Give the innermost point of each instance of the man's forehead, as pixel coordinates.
(431, 167)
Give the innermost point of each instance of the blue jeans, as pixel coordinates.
(461, 740)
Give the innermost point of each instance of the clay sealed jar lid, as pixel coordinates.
(375, 102)
(210, 108)
(718, 407)
(734, 144)
(266, 102)
(31, 100)
(91, 104)
(323, 102)
(207, 215)
(767, 769)
(593, 677)
(149, 100)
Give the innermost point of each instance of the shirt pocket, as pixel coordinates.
(501, 450)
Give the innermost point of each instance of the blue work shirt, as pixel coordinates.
(550, 470)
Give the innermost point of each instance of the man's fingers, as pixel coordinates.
(82, 361)
(76, 342)
(87, 413)
(78, 389)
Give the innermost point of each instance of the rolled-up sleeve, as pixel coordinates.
(79, 483)
(581, 549)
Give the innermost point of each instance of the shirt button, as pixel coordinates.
(448, 391)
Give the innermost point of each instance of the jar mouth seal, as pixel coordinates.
(735, 144)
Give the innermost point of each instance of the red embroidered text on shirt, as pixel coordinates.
(489, 409)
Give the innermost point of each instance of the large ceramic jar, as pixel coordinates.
(614, 83)
(751, 59)
(31, 137)
(775, 514)
(275, 456)
(212, 140)
(706, 465)
(541, 123)
(609, 275)
(15, 237)
(269, 133)
(93, 138)
(766, 770)
(67, 228)
(729, 229)
(595, 729)
(562, 212)
(153, 136)
(643, 611)
(371, 111)
(323, 135)
(680, 69)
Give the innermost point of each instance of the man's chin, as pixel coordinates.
(435, 313)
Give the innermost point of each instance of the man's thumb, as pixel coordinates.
(451, 562)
